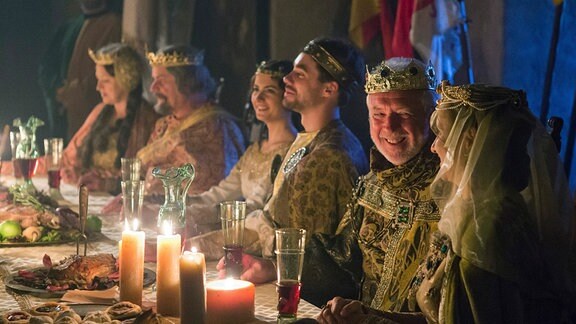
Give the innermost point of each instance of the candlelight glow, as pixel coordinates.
(134, 227)
(194, 249)
(228, 284)
(166, 228)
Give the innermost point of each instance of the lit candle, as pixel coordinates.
(192, 292)
(229, 301)
(167, 272)
(132, 266)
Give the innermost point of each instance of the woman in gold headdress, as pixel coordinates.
(250, 178)
(503, 253)
(117, 127)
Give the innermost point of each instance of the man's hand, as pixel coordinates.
(256, 270)
(340, 310)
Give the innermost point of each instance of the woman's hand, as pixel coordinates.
(256, 270)
(341, 311)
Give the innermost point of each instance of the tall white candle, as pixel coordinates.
(192, 291)
(132, 266)
(168, 273)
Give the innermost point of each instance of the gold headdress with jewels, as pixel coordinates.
(478, 96)
(400, 73)
(265, 68)
(127, 63)
(175, 59)
(328, 62)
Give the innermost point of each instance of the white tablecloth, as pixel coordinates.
(13, 259)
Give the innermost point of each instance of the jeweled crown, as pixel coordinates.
(328, 62)
(175, 59)
(279, 74)
(400, 73)
(102, 58)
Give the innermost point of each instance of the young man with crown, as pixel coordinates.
(392, 215)
(315, 179)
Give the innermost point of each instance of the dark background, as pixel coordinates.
(510, 46)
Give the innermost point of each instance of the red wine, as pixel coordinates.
(27, 167)
(54, 178)
(288, 297)
(233, 260)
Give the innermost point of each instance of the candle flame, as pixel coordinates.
(135, 224)
(194, 249)
(131, 227)
(167, 228)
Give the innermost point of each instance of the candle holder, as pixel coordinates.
(290, 244)
(53, 148)
(232, 214)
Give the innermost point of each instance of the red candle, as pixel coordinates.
(229, 301)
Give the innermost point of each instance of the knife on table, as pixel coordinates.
(83, 209)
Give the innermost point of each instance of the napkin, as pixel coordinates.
(108, 296)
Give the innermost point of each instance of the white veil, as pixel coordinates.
(518, 236)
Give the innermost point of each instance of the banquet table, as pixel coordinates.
(13, 259)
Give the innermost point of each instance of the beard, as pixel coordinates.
(161, 106)
(293, 105)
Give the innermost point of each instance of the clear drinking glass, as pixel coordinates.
(130, 168)
(53, 148)
(290, 244)
(26, 157)
(14, 141)
(233, 214)
(132, 199)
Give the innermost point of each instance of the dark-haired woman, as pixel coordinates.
(251, 178)
(117, 127)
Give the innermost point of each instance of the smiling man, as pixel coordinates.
(316, 177)
(392, 215)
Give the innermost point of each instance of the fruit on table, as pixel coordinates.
(10, 229)
(93, 224)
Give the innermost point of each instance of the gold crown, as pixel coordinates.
(175, 59)
(478, 96)
(102, 58)
(127, 63)
(328, 62)
(400, 73)
(278, 74)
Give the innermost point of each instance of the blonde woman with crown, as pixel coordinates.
(117, 127)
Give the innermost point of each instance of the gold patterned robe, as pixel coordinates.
(393, 217)
(315, 188)
(208, 138)
(103, 162)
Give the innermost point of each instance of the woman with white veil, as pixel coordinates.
(504, 251)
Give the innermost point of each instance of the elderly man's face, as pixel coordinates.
(165, 89)
(398, 123)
